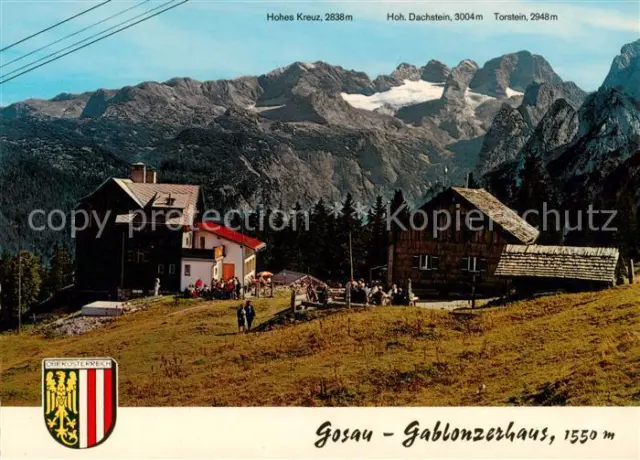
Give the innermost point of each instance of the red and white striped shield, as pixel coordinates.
(80, 398)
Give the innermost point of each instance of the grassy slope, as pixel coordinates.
(579, 349)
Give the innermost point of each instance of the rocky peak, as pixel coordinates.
(385, 83)
(607, 136)
(305, 78)
(609, 109)
(557, 128)
(624, 74)
(458, 80)
(406, 72)
(503, 141)
(97, 103)
(515, 71)
(539, 97)
(435, 72)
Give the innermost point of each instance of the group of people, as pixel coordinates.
(319, 293)
(361, 292)
(375, 294)
(246, 314)
(220, 290)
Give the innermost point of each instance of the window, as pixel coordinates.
(160, 269)
(172, 269)
(187, 270)
(473, 264)
(426, 262)
(202, 242)
(249, 265)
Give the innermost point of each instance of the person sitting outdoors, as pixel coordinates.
(377, 294)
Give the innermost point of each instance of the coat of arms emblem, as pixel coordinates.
(80, 398)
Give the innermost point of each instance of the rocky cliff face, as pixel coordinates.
(592, 150)
(512, 128)
(624, 74)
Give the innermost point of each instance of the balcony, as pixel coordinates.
(215, 253)
(197, 253)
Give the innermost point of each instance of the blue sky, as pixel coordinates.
(208, 40)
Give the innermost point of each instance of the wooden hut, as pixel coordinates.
(537, 268)
(461, 259)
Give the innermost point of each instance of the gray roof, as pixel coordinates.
(568, 262)
(499, 213)
(290, 277)
(183, 198)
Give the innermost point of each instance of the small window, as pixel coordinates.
(172, 269)
(187, 270)
(426, 262)
(473, 264)
(202, 242)
(160, 269)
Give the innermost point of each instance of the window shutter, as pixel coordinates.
(483, 265)
(416, 261)
(464, 264)
(473, 264)
(435, 261)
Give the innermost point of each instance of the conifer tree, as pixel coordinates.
(536, 193)
(20, 275)
(320, 240)
(59, 274)
(378, 235)
(398, 216)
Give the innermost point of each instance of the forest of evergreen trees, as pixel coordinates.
(571, 226)
(323, 249)
(26, 281)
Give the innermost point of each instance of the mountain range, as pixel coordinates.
(313, 130)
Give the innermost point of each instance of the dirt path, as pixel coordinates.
(190, 309)
(452, 304)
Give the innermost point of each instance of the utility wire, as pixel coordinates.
(19, 58)
(4, 79)
(55, 25)
(84, 40)
(94, 41)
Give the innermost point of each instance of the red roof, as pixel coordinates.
(232, 235)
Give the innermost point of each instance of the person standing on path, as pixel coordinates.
(242, 319)
(237, 287)
(250, 313)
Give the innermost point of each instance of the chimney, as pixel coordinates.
(469, 179)
(151, 176)
(138, 173)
